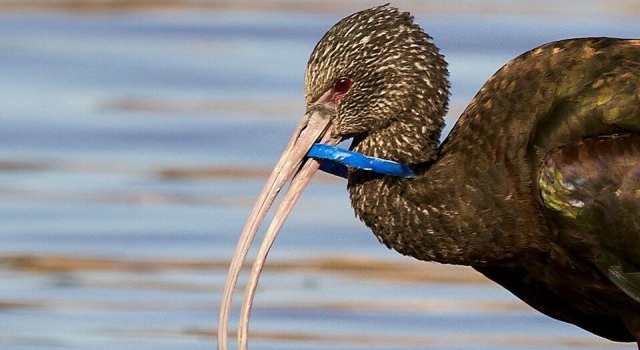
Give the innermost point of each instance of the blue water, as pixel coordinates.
(105, 247)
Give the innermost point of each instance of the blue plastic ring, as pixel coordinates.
(341, 158)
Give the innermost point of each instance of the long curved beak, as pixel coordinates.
(314, 127)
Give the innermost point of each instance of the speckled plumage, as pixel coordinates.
(397, 71)
(538, 184)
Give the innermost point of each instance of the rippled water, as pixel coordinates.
(134, 141)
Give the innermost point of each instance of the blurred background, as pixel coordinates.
(135, 135)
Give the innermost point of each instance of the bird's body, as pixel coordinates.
(538, 184)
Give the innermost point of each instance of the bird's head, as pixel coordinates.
(384, 83)
(375, 77)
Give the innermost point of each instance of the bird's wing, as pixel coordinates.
(592, 188)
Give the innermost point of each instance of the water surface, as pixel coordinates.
(134, 141)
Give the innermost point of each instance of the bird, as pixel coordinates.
(537, 186)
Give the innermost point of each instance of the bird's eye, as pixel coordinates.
(342, 85)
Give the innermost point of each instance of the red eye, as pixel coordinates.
(342, 85)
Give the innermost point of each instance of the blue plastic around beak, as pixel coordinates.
(336, 160)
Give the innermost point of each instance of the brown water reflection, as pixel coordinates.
(141, 274)
(353, 267)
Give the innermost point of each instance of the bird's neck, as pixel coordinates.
(437, 216)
